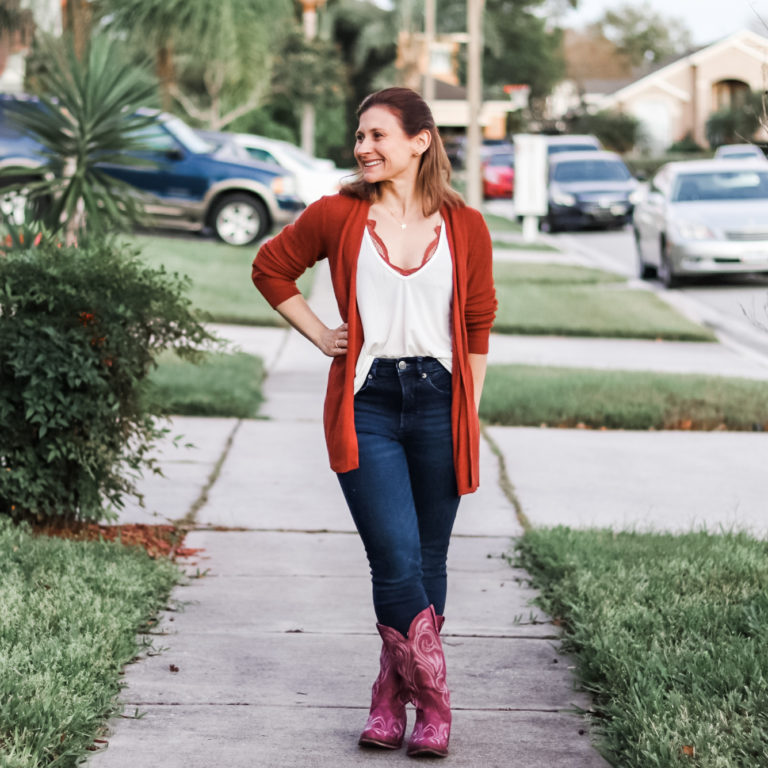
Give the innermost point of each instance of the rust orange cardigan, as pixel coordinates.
(333, 228)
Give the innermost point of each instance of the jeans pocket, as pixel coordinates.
(440, 380)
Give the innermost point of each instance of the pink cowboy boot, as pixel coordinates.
(420, 661)
(387, 719)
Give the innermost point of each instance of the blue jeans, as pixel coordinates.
(403, 495)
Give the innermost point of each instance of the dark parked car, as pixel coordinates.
(592, 188)
(188, 184)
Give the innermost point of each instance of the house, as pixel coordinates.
(676, 99)
(450, 107)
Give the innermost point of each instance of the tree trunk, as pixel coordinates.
(165, 74)
(77, 17)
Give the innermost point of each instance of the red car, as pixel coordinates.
(499, 174)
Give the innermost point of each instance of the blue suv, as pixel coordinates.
(188, 184)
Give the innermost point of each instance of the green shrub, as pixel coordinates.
(79, 332)
(616, 130)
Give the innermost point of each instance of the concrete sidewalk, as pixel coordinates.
(268, 657)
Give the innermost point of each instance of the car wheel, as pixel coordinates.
(644, 270)
(665, 270)
(548, 223)
(240, 219)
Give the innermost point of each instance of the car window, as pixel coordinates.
(591, 170)
(188, 138)
(261, 155)
(153, 137)
(554, 149)
(505, 159)
(727, 185)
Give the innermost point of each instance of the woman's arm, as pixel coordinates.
(330, 341)
(478, 365)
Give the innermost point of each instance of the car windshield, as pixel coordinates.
(301, 157)
(188, 137)
(554, 149)
(721, 185)
(591, 170)
(506, 159)
(738, 154)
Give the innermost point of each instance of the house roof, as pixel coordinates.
(447, 91)
(745, 40)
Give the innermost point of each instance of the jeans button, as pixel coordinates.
(402, 365)
(423, 375)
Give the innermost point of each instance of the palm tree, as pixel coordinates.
(214, 57)
(87, 115)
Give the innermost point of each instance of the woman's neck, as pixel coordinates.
(400, 199)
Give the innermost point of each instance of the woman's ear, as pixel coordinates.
(422, 142)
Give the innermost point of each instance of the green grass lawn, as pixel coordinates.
(564, 305)
(522, 395)
(501, 223)
(220, 277)
(520, 245)
(220, 385)
(69, 615)
(669, 635)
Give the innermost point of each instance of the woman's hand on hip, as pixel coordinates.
(333, 341)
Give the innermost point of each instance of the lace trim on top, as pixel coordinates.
(381, 249)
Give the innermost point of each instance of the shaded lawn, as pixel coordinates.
(227, 385)
(69, 615)
(565, 305)
(670, 636)
(522, 395)
(220, 277)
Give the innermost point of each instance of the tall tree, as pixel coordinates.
(644, 36)
(214, 57)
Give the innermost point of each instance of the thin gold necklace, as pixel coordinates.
(402, 224)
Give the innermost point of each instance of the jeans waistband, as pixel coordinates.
(404, 365)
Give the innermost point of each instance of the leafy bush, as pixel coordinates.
(737, 124)
(79, 332)
(686, 144)
(617, 131)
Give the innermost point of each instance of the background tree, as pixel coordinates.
(214, 57)
(644, 36)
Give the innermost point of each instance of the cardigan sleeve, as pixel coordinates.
(480, 307)
(281, 260)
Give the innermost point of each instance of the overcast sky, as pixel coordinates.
(708, 20)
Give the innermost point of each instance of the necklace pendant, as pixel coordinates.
(402, 226)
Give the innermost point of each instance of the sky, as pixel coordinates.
(707, 20)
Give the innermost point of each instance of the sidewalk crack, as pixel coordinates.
(189, 520)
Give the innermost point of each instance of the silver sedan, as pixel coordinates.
(703, 217)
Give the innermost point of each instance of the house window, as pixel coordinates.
(729, 94)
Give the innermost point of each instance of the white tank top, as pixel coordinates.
(404, 315)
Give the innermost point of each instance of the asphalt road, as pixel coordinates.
(733, 305)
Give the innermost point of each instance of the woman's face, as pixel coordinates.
(383, 150)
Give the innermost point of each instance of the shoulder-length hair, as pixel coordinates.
(434, 175)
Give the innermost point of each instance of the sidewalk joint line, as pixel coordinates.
(505, 483)
(188, 521)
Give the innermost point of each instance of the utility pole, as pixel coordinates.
(475, 10)
(309, 18)
(429, 38)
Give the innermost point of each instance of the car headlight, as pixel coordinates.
(284, 185)
(693, 230)
(563, 198)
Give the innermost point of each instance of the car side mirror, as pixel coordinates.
(174, 153)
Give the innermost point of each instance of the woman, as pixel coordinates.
(411, 270)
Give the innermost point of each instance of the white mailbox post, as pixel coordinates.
(530, 181)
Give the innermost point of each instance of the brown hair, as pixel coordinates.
(434, 175)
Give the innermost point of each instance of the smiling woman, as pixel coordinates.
(411, 269)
